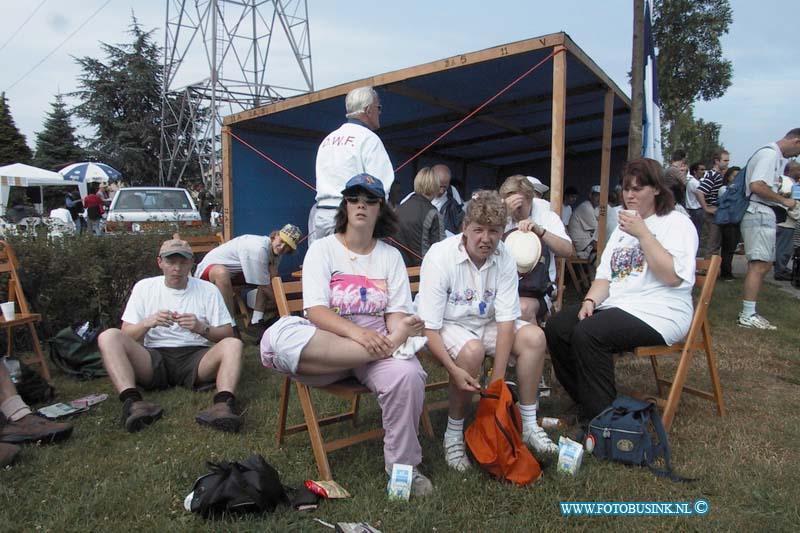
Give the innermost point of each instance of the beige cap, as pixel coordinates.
(176, 246)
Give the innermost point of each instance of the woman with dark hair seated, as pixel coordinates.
(641, 295)
(357, 302)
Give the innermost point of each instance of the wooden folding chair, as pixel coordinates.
(698, 339)
(578, 274)
(23, 316)
(289, 299)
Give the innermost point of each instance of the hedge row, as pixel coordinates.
(75, 279)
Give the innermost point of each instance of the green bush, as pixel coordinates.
(75, 279)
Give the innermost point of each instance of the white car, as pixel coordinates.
(151, 208)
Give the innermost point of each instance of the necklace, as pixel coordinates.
(353, 257)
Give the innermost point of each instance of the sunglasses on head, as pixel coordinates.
(369, 200)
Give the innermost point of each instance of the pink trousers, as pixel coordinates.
(400, 387)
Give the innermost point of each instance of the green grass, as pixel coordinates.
(104, 479)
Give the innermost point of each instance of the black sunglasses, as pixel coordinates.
(369, 200)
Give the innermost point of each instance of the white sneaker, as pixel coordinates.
(755, 321)
(535, 437)
(420, 484)
(455, 453)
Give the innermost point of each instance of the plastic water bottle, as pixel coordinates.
(796, 191)
(14, 370)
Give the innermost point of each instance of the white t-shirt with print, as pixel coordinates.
(199, 298)
(635, 290)
(542, 215)
(361, 288)
(250, 255)
(453, 290)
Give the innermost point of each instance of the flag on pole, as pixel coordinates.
(651, 139)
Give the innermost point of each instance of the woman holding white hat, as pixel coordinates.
(528, 213)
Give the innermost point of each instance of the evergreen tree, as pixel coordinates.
(13, 148)
(56, 145)
(121, 100)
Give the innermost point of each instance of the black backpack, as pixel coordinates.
(536, 283)
(32, 387)
(249, 486)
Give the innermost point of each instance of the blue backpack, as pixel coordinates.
(733, 203)
(630, 432)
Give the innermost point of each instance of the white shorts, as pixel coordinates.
(758, 233)
(283, 342)
(456, 336)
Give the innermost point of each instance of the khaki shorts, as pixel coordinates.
(758, 233)
(456, 336)
(176, 366)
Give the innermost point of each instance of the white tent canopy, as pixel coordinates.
(20, 175)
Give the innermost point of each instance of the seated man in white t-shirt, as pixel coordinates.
(468, 300)
(175, 331)
(250, 259)
(533, 214)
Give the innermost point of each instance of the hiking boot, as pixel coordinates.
(220, 416)
(535, 437)
(34, 428)
(455, 453)
(8, 454)
(137, 415)
(755, 321)
(420, 484)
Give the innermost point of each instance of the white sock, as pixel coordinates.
(455, 429)
(528, 413)
(257, 315)
(14, 408)
(748, 308)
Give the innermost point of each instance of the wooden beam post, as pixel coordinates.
(605, 171)
(559, 132)
(227, 183)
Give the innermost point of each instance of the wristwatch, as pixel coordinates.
(205, 331)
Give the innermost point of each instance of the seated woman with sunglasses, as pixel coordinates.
(357, 302)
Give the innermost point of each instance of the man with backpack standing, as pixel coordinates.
(758, 225)
(708, 195)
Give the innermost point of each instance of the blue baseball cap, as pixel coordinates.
(370, 184)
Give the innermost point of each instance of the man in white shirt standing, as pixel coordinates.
(175, 331)
(468, 300)
(352, 149)
(693, 205)
(763, 179)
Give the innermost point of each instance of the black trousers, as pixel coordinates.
(582, 352)
(730, 239)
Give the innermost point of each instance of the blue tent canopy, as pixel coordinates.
(518, 132)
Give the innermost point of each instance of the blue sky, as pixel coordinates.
(357, 38)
